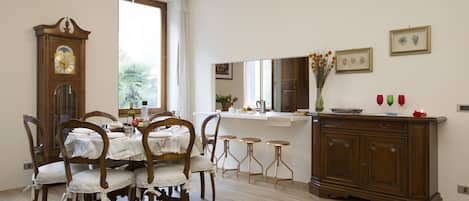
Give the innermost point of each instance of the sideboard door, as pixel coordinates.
(340, 158)
(384, 164)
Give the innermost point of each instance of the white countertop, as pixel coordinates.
(269, 116)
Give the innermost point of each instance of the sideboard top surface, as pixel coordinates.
(385, 117)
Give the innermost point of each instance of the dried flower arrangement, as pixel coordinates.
(321, 64)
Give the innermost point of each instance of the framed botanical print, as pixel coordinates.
(408, 41)
(224, 71)
(354, 60)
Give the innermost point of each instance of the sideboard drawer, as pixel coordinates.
(395, 126)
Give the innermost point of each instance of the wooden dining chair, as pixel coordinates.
(98, 114)
(101, 180)
(201, 164)
(45, 172)
(156, 176)
(92, 117)
(159, 116)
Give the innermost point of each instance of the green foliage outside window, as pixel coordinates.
(136, 83)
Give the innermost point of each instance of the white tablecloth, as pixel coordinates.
(130, 148)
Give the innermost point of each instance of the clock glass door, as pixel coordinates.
(65, 107)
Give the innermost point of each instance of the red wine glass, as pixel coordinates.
(401, 100)
(379, 99)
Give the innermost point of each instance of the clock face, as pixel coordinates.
(64, 60)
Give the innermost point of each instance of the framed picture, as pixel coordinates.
(224, 71)
(354, 60)
(408, 41)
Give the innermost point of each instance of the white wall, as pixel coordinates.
(235, 87)
(18, 69)
(274, 28)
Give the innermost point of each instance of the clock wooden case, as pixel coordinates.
(60, 77)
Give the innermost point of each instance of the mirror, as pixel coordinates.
(282, 83)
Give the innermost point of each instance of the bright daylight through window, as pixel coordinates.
(258, 82)
(141, 52)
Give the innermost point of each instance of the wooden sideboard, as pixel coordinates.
(375, 157)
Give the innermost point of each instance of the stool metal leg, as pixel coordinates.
(224, 156)
(277, 161)
(250, 156)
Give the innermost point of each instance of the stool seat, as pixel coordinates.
(278, 143)
(250, 140)
(227, 137)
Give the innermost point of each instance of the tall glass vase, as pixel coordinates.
(319, 100)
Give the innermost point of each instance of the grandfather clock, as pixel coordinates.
(60, 77)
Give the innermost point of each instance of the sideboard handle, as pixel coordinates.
(346, 145)
(393, 149)
(372, 147)
(331, 144)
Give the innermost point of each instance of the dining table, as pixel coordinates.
(82, 142)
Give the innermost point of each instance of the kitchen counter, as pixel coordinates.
(266, 126)
(282, 119)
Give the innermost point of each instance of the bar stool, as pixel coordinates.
(278, 144)
(226, 151)
(250, 154)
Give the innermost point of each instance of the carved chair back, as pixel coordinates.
(36, 144)
(65, 128)
(154, 117)
(205, 140)
(168, 156)
(98, 114)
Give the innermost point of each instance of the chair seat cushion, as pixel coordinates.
(201, 164)
(54, 173)
(164, 175)
(89, 181)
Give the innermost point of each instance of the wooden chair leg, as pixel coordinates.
(212, 179)
(151, 197)
(184, 195)
(131, 194)
(45, 190)
(88, 197)
(142, 196)
(202, 185)
(170, 191)
(36, 194)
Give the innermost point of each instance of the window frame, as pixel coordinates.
(260, 96)
(164, 12)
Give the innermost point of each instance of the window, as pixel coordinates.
(142, 54)
(258, 82)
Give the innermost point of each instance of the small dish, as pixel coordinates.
(347, 110)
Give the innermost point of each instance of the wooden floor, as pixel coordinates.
(228, 189)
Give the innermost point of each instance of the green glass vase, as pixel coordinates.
(319, 100)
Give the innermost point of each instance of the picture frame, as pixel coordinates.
(409, 41)
(224, 71)
(354, 60)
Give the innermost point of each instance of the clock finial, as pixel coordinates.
(66, 25)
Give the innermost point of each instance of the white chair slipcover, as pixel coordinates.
(201, 164)
(165, 175)
(89, 182)
(54, 173)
